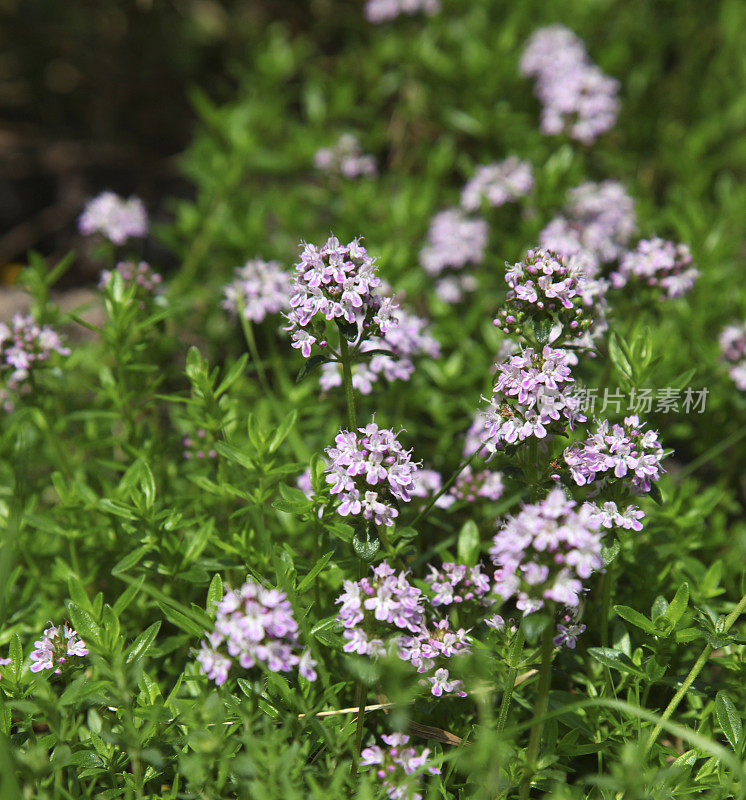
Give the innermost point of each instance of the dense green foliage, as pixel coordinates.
(105, 524)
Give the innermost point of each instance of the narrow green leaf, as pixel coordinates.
(142, 643)
(637, 619)
(283, 430)
(729, 719)
(16, 654)
(678, 605)
(84, 623)
(235, 455)
(181, 621)
(310, 365)
(468, 544)
(615, 659)
(127, 596)
(214, 593)
(308, 581)
(129, 560)
(234, 373)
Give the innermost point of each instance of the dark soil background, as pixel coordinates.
(95, 95)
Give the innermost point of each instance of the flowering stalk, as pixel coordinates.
(606, 580)
(360, 692)
(545, 676)
(248, 332)
(692, 676)
(345, 358)
(516, 650)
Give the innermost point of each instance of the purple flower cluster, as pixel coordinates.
(146, 280)
(335, 282)
(733, 345)
(55, 647)
(258, 289)
(659, 264)
(345, 159)
(114, 217)
(468, 487)
(531, 394)
(199, 445)
(452, 288)
(544, 288)
(610, 516)
(368, 470)
(254, 625)
(597, 225)
(577, 97)
(378, 11)
(387, 608)
(371, 606)
(498, 184)
(474, 436)
(545, 553)
(457, 584)
(408, 339)
(454, 240)
(24, 345)
(624, 452)
(427, 651)
(471, 485)
(567, 634)
(398, 767)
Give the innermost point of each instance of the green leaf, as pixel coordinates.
(127, 596)
(77, 592)
(15, 651)
(292, 501)
(311, 364)
(181, 620)
(233, 375)
(198, 541)
(235, 455)
(468, 544)
(193, 363)
(610, 553)
(655, 494)
(534, 625)
(365, 545)
(129, 560)
(678, 605)
(618, 357)
(308, 581)
(729, 719)
(214, 593)
(637, 619)
(660, 605)
(348, 329)
(84, 623)
(142, 644)
(686, 759)
(615, 659)
(283, 430)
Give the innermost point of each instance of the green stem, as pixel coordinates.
(607, 578)
(248, 332)
(344, 353)
(692, 676)
(545, 676)
(605, 603)
(362, 697)
(446, 486)
(516, 649)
